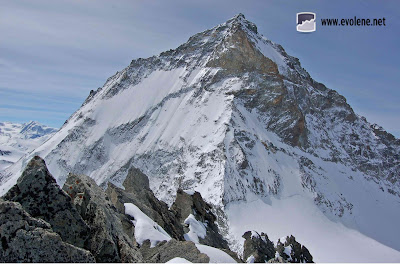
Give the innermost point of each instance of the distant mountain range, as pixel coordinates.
(230, 115)
(18, 139)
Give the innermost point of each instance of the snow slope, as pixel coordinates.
(231, 115)
(147, 229)
(326, 240)
(178, 260)
(216, 255)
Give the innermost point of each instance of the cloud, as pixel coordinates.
(307, 25)
(52, 53)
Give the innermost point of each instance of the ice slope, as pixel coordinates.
(231, 115)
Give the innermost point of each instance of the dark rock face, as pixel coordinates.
(259, 249)
(258, 246)
(238, 54)
(136, 181)
(27, 239)
(82, 215)
(5, 153)
(244, 57)
(186, 204)
(38, 193)
(137, 191)
(111, 233)
(39, 221)
(298, 253)
(166, 251)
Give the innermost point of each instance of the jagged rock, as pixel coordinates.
(186, 204)
(165, 251)
(242, 55)
(136, 181)
(298, 252)
(259, 249)
(137, 191)
(111, 233)
(39, 195)
(27, 239)
(257, 246)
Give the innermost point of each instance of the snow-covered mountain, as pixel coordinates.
(18, 139)
(231, 115)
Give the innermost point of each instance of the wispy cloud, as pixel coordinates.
(52, 53)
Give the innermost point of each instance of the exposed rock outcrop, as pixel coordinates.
(186, 204)
(257, 247)
(166, 251)
(293, 251)
(111, 233)
(39, 222)
(81, 214)
(27, 239)
(38, 193)
(137, 191)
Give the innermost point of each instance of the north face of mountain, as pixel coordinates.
(231, 115)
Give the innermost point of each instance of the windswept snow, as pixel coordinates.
(178, 260)
(327, 241)
(228, 135)
(145, 228)
(196, 229)
(216, 255)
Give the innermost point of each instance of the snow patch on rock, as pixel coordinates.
(145, 227)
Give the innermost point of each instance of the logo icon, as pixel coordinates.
(306, 22)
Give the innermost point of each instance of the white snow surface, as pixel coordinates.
(215, 255)
(184, 130)
(250, 259)
(299, 216)
(178, 260)
(145, 227)
(196, 229)
(18, 139)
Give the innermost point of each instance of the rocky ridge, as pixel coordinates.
(40, 222)
(231, 115)
(259, 249)
(28, 239)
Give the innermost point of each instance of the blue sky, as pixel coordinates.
(52, 53)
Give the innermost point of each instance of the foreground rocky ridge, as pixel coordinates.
(28, 239)
(39, 222)
(231, 115)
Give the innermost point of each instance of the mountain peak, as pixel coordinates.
(231, 115)
(240, 20)
(239, 16)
